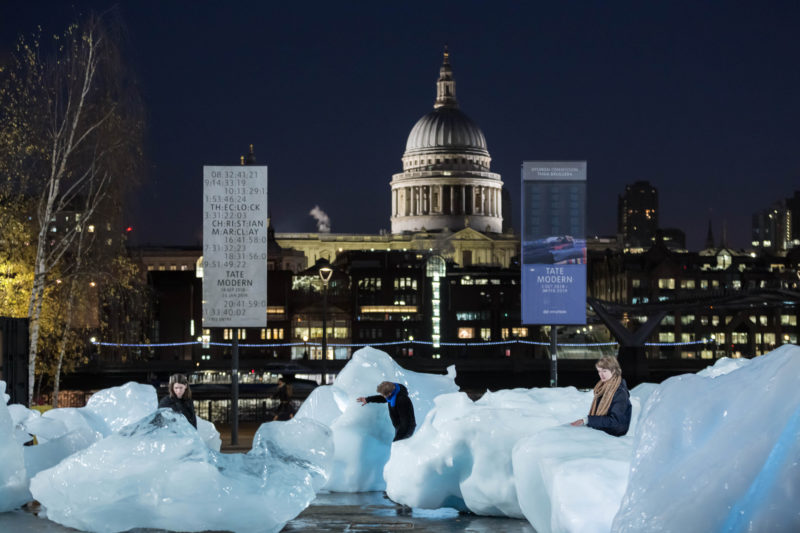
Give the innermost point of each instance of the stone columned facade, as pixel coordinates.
(446, 181)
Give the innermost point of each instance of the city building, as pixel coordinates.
(446, 180)
(793, 207)
(777, 228)
(637, 214)
(674, 238)
(443, 287)
(446, 199)
(717, 302)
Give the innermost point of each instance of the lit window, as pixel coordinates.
(466, 333)
(739, 337)
(369, 309)
(666, 283)
(519, 332)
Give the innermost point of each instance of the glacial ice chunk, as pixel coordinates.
(13, 478)
(719, 453)
(158, 473)
(462, 455)
(571, 479)
(120, 406)
(363, 435)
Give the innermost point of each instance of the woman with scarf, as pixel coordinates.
(611, 406)
(401, 410)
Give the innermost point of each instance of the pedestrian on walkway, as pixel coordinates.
(283, 394)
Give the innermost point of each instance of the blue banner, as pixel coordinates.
(553, 242)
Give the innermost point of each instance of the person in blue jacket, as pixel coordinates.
(401, 410)
(611, 406)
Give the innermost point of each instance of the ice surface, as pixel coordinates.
(120, 406)
(363, 435)
(13, 479)
(571, 478)
(715, 451)
(723, 366)
(462, 455)
(158, 473)
(209, 434)
(719, 453)
(65, 431)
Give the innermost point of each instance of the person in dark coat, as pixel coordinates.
(611, 406)
(283, 394)
(401, 410)
(179, 398)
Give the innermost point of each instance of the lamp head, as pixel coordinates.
(325, 274)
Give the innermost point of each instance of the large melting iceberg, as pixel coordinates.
(719, 453)
(713, 451)
(464, 454)
(65, 431)
(716, 451)
(363, 435)
(158, 473)
(62, 432)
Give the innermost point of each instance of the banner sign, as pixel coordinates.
(554, 242)
(234, 246)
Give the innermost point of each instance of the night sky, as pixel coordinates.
(699, 98)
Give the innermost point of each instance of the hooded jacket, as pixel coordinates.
(401, 413)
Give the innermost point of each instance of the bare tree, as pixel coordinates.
(84, 137)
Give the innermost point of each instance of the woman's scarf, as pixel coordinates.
(605, 391)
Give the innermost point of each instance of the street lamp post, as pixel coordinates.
(325, 274)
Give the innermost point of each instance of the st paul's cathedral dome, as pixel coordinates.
(446, 181)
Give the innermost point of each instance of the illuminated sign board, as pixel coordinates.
(554, 242)
(234, 246)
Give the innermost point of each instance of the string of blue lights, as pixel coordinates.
(394, 343)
